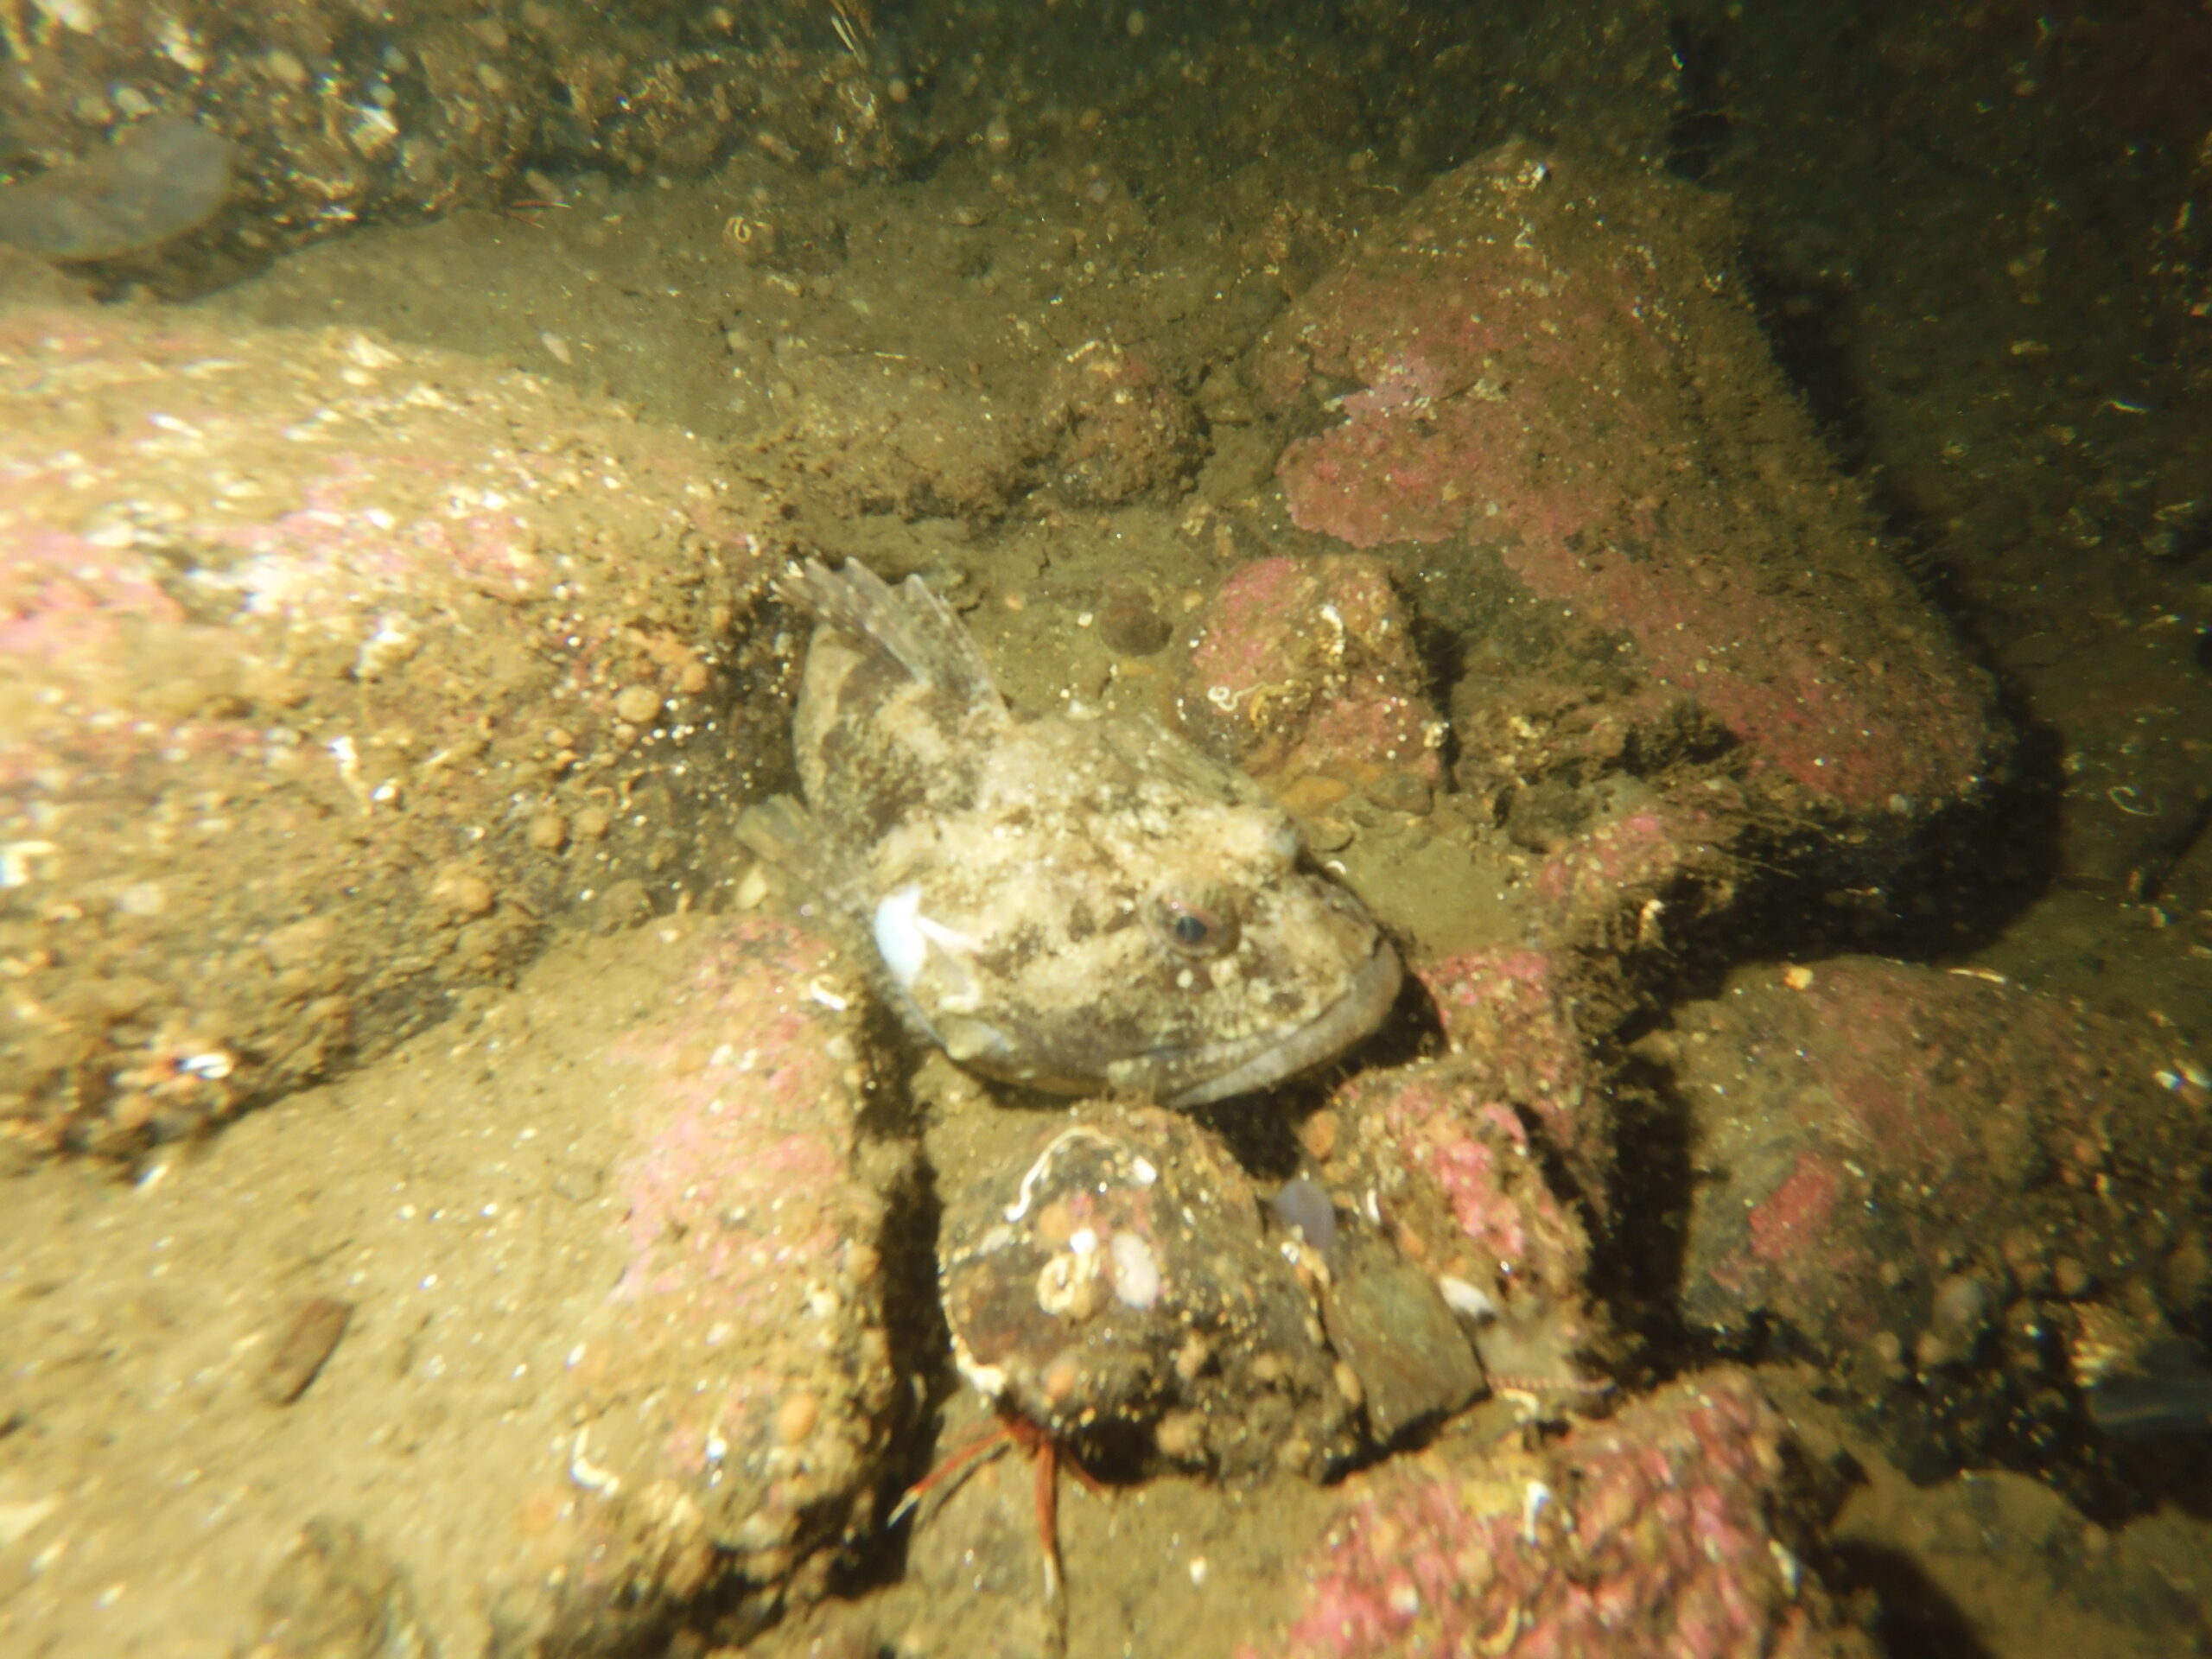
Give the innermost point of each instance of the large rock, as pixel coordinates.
(428, 109)
(335, 674)
(1541, 365)
(1934, 1175)
(549, 1327)
(1664, 1530)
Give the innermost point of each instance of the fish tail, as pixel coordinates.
(909, 623)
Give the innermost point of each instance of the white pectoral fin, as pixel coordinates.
(969, 1041)
(903, 939)
(900, 940)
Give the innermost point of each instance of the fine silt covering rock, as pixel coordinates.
(1665, 1530)
(1541, 367)
(1934, 1174)
(336, 673)
(613, 1257)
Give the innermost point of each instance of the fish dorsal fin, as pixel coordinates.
(782, 832)
(910, 624)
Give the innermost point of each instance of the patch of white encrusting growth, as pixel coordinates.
(1136, 1271)
(1534, 1500)
(904, 935)
(1466, 1300)
(899, 938)
(592, 1476)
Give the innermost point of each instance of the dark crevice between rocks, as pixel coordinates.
(1639, 1243)
(920, 1342)
(1915, 1619)
(1700, 128)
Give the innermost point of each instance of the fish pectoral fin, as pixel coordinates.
(910, 624)
(1136, 1077)
(971, 1040)
(782, 832)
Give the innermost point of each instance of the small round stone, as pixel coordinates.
(1348, 1384)
(795, 1417)
(592, 823)
(1181, 1437)
(465, 892)
(1062, 1376)
(1962, 1306)
(549, 832)
(1192, 1358)
(637, 704)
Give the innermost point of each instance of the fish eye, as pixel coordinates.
(1196, 925)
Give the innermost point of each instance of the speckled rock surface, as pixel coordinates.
(1106, 1273)
(612, 1255)
(1662, 1530)
(335, 675)
(1303, 672)
(1931, 1175)
(343, 117)
(1550, 373)
(1509, 1021)
(1436, 1156)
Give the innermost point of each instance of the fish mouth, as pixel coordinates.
(1257, 1062)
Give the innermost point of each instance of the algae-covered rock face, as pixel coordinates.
(1113, 1276)
(1662, 1530)
(1549, 374)
(336, 673)
(1932, 1176)
(1075, 906)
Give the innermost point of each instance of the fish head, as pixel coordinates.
(1165, 938)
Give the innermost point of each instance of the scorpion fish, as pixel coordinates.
(1077, 905)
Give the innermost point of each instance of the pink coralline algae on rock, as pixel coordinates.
(1440, 1151)
(1547, 367)
(1509, 1017)
(1892, 1154)
(324, 664)
(1303, 671)
(745, 1384)
(1661, 1531)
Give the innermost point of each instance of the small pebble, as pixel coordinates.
(639, 704)
(1961, 1308)
(308, 1343)
(465, 892)
(592, 823)
(1181, 1437)
(1400, 791)
(752, 887)
(1061, 1377)
(549, 832)
(1305, 1204)
(1348, 1384)
(795, 1418)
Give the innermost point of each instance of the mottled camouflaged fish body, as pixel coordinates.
(1077, 905)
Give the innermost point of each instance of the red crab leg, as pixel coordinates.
(1048, 1513)
(1001, 1436)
